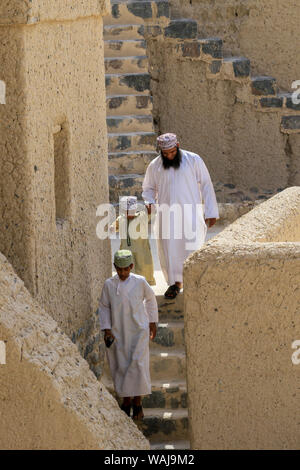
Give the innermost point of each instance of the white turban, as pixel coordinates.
(167, 141)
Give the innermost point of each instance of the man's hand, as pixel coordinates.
(152, 327)
(210, 222)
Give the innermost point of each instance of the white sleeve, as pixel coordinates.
(207, 190)
(104, 309)
(150, 303)
(149, 187)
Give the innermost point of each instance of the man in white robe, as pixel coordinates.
(179, 179)
(128, 314)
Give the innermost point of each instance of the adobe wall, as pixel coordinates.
(33, 11)
(49, 398)
(217, 116)
(52, 62)
(242, 315)
(265, 31)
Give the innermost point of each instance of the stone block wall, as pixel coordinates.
(266, 31)
(241, 317)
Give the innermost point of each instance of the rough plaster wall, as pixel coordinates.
(239, 144)
(265, 31)
(49, 399)
(242, 310)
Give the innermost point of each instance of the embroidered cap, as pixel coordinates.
(128, 203)
(167, 141)
(123, 258)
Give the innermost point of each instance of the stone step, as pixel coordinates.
(122, 184)
(170, 310)
(161, 425)
(171, 445)
(124, 31)
(166, 366)
(263, 86)
(167, 395)
(124, 47)
(130, 141)
(125, 185)
(133, 123)
(137, 12)
(129, 162)
(128, 104)
(127, 83)
(169, 335)
(182, 29)
(135, 64)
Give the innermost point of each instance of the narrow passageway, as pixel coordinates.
(166, 409)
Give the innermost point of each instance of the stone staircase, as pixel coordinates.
(131, 136)
(166, 415)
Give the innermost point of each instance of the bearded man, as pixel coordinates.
(178, 183)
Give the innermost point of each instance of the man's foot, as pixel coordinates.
(126, 408)
(172, 291)
(138, 413)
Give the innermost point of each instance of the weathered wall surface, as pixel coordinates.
(33, 11)
(265, 31)
(242, 314)
(49, 399)
(218, 117)
(53, 145)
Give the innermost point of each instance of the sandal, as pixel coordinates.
(172, 291)
(126, 409)
(138, 414)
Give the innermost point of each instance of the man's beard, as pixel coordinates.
(175, 163)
